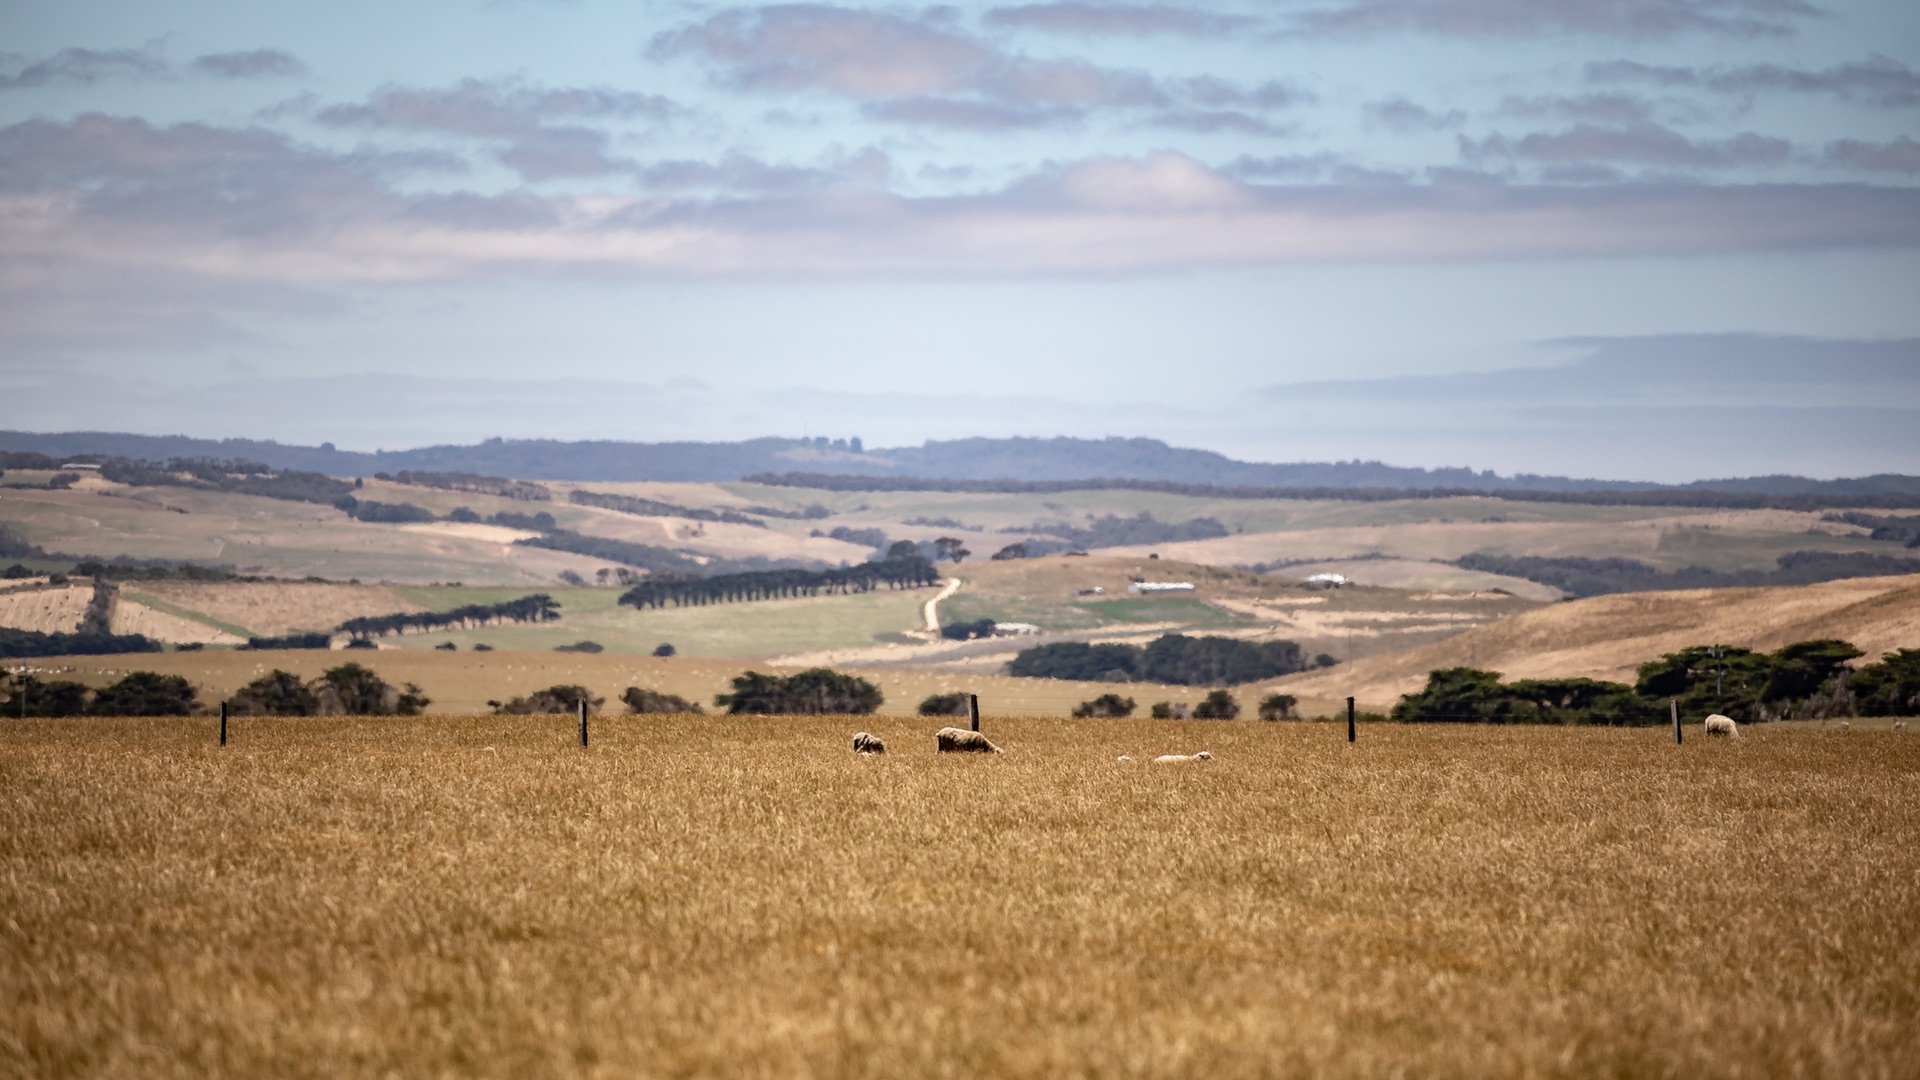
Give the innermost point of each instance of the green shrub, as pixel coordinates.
(1105, 707)
(639, 700)
(944, 705)
(1217, 705)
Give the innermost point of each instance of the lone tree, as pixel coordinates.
(950, 549)
(944, 705)
(1218, 705)
(640, 700)
(1105, 707)
(1278, 707)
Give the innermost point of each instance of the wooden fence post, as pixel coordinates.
(973, 710)
(1673, 706)
(1349, 719)
(223, 723)
(583, 723)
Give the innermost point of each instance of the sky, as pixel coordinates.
(1645, 239)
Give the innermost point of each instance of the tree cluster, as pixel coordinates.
(564, 699)
(1581, 577)
(1899, 530)
(967, 630)
(238, 477)
(775, 584)
(1111, 530)
(141, 693)
(815, 692)
(349, 689)
(290, 641)
(647, 557)
(630, 504)
(472, 483)
(539, 607)
(640, 700)
(954, 704)
(1804, 680)
(22, 643)
(1173, 658)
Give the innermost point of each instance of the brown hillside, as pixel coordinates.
(1607, 637)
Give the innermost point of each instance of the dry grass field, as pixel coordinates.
(712, 896)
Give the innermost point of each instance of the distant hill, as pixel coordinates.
(1030, 460)
(1607, 637)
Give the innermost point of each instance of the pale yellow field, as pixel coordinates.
(744, 897)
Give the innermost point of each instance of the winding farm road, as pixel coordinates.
(931, 610)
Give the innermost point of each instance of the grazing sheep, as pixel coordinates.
(955, 740)
(867, 743)
(1899, 725)
(1182, 759)
(1722, 725)
(1844, 726)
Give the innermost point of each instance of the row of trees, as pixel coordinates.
(24, 643)
(239, 477)
(1173, 658)
(141, 693)
(348, 689)
(567, 699)
(1804, 680)
(630, 504)
(897, 573)
(1581, 577)
(539, 607)
(472, 483)
(1217, 705)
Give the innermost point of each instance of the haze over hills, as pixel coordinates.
(975, 459)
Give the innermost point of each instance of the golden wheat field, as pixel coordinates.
(706, 896)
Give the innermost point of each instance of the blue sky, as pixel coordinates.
(1211, 223)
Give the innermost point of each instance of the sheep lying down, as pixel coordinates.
(1182, 759)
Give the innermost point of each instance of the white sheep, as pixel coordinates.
(1722, 725)
(1899, 725)
(955, 740)
(1124, 759)
(868, 743)
(1845, 726)
(1182, 759)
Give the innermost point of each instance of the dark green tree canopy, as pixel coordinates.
(815, 692)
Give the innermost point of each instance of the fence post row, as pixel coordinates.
(583, 723)
(973, 710)
(223, 723)
(1673, 706)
